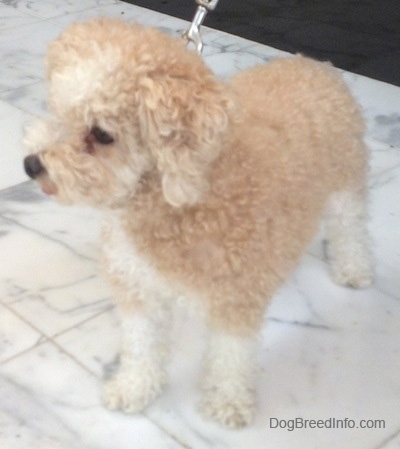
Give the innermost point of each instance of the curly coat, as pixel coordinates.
(219, 186)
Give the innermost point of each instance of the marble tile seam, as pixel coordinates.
(170, 432)
(12, 89)
(44, 236)
(42, 339)
(383, 177)
(21, 109)
(53, 342)
(61, 347)
(82, 323)
(48, 339)
(34, 20)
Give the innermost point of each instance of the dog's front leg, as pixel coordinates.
(229, 396)
(141, 375)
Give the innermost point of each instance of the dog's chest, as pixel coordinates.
(131, 269)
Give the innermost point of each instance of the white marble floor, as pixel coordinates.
(328, 352)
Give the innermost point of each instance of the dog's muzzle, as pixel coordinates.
(33, 167)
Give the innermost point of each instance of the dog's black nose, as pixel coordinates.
(33, 166)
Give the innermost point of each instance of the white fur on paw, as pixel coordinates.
(131, 393)
(232, 410)
(356, 275)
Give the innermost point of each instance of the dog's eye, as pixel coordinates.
(101, 136)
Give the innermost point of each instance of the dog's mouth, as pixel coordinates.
(48, 187)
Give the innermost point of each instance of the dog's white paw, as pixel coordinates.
(358, 274)
(233, 410)
(132, 391)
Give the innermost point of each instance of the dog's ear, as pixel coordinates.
(183, 120)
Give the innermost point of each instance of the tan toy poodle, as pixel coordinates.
(211, 191)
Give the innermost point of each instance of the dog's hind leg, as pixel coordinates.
(348, 246)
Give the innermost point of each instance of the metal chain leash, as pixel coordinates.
(192, 35)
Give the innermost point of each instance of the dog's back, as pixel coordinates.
(307, 111)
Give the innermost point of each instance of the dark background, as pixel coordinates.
(359, 36)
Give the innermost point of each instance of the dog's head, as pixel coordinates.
(126, 101)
